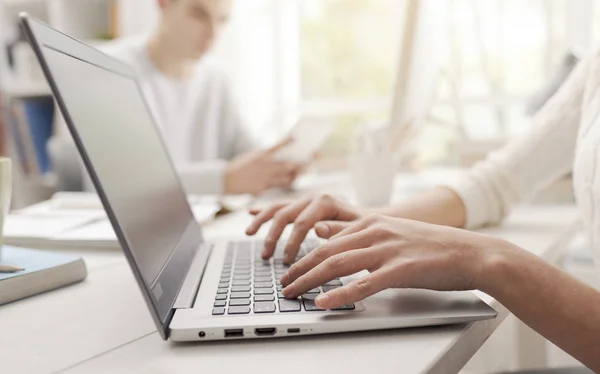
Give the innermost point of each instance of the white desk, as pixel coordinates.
(102, 325)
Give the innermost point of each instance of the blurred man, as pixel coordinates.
(192, 101)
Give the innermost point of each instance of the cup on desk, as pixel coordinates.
(5, 192)
(372, 177)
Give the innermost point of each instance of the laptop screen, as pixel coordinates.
(128, 162)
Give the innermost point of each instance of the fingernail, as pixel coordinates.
(287, 258)
(288, 290)
(323, 228)
(322, 300)
(285, 278)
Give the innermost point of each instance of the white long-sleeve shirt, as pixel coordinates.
(198, 116)
(565, 138)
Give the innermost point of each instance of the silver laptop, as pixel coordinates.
(197, 291)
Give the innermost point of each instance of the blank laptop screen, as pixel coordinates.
(128, 156)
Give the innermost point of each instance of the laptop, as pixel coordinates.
(195, 290)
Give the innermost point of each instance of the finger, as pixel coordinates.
(324, 252)
(255, 211)
(314, 212)
(282, 144)
(328, 229)
(340, 265)
(355, 291)
(261, 217)
(281, 219)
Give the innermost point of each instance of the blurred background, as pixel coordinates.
(469, 73)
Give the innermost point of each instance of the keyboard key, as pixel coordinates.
(240, 295)
(240, 289)
(335, 282)
(222, 291)
(329, 288)
(314, 290)
(239, 302)
(346, 307)
(278, 281)
(262, 279)
(218, 311)
(226, 275)
(220, 303)
(241, 273)
(241, 277)
(309, 306)
(221, 297)
(241, 283)
(263, 284)
(309, 296)
(238, 310)
(224, 280)
(279, 288)
(262, 272)
(224, 285)
(264, 307)
(258, 298)
(286, 305)
(280, 295)
(263, 291)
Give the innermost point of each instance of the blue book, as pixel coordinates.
(40, 116)
(43, 271)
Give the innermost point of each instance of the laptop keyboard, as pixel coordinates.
(250, 285)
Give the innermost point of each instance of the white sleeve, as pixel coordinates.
(531, 162)
(206, 177)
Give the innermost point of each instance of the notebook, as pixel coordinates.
(44, 271)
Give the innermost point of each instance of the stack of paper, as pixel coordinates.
(77, 220)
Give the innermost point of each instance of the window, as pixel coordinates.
(348, 54)
(500, 52)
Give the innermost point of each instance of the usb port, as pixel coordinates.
(293, 331)
(234, 333)
(265, 331)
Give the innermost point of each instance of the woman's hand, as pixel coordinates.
(398, 253)
(304, 215)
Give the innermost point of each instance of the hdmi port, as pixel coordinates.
(234, 333)
(265, 331)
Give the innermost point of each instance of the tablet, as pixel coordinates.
(308, 136)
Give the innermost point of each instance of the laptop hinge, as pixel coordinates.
(189, 289)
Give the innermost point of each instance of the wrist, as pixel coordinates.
(498, 264)
(229, 180)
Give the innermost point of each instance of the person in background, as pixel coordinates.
(420, 243)
(193, 102)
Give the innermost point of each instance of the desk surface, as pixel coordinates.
(102, 325)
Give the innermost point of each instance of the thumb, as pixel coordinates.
(282, 144)
(327, 229)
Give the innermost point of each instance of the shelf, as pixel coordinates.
(28, 90)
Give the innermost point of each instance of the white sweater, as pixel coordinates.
(565, 138)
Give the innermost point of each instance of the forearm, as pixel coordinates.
(556, 305)
(441, 206)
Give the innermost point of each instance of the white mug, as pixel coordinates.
(372, 176)
(5, 192)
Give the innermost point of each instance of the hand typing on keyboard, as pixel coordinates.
(398, 253)
(304, 215)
